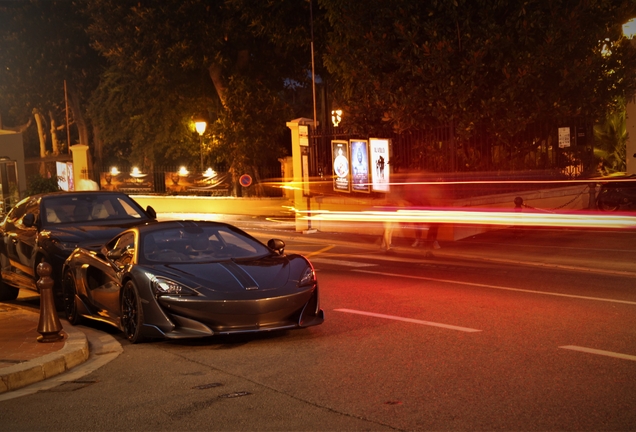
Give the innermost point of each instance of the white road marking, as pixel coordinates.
(500, 287)
(599, 352)
(409, 320)
(340, 262)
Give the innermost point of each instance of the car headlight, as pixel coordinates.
(162, 286)
(308, 277)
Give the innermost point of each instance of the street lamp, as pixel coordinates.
(336, 117)
(200, 126)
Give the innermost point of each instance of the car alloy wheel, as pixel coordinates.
(132, 315)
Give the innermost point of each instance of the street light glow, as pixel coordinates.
(200, 126)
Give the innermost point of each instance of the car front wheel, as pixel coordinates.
(132, 315)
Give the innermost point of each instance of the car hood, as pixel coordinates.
(90, 236)
(231, 276)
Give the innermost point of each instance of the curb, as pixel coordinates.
(74, 352)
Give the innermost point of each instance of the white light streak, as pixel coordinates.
(477, 217)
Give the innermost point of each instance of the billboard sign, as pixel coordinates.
(359, 165)
(380, 170)
(339, 155)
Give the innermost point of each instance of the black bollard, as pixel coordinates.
(49, 326)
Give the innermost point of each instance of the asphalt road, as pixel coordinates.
(408, 344)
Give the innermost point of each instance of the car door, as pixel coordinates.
(103, 277)
(18, 245)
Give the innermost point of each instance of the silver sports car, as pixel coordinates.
(182, 279)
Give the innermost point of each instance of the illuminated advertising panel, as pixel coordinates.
(359, 165)
(62, 170)
(339, 155)
(380, 171)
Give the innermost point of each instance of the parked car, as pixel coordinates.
(48, 227)
(618, 193)
(185, 279)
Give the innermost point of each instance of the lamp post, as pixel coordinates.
(200, 126)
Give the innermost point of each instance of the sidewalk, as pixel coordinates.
(24, 360)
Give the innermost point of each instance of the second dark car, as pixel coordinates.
(48, 227)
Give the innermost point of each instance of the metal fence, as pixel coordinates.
(534, 154)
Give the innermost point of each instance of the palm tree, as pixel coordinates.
(610, 142)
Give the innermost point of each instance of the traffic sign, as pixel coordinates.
(245, 180)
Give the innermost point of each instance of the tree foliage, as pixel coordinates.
(44, 45)
(611, 137)
(39, 184)
(477, 63)
(168, 62)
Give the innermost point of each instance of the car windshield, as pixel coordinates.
(203, 244)
(60, 209)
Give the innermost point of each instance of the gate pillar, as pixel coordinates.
(300, 170)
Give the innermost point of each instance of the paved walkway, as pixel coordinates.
(24, 360)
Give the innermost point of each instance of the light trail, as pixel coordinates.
(476, 217)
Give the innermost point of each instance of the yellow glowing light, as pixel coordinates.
(135, 172)
(114, 171)
(200, 127)
(336, 117)
(209, 173)
(505, 218)
(183, 171)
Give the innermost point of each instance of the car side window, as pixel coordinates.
(31, 205)
(17, 212)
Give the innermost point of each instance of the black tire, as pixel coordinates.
(8, 292)
(608, 202)
(69, 294)
(132, 314)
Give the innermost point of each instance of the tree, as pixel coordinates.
(230, 58)
(499, 66)
(44, 46)
(611, 138)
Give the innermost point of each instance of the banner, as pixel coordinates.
(360, 166)
(380, 178)
(339, 155)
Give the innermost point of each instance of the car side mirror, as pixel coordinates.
(151, 212)
(28, 220)
(277, 245)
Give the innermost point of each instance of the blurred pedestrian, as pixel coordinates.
(394, 199)
(419, 196)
